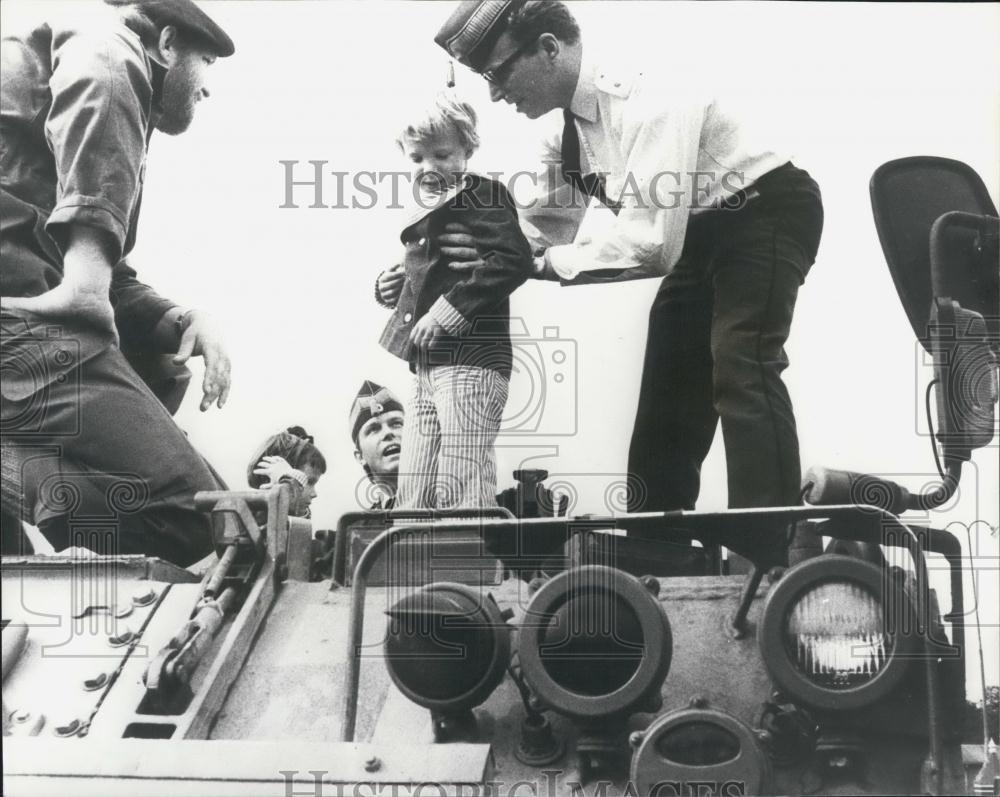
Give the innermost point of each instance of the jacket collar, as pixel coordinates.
(423, 209)
(584, 102)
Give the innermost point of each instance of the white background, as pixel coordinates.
(845, 86)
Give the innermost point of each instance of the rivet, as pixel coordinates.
(373, 764)
(20, 716)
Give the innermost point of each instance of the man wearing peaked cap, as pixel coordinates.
(730, 227)
(81, 95)
(186, 16)
(376, 424)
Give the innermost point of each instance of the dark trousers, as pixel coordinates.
(715, 351)
(102, 464)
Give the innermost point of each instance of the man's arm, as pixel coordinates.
(83, 293)
(647, 236)
(96, 127)
(488, 213)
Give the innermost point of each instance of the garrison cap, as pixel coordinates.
(185, 15)
(372, 400)
(471, 33)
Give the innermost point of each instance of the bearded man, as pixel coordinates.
(92, 442)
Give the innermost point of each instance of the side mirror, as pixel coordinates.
(963, 333)
(965, 373)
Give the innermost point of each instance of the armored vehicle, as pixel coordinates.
(520, 651)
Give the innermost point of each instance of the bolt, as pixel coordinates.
(122, 610)
(698, 701)
(93, 684)
(651, 584)
(20, 716)
(506, 614)
(122, 639)
(373, 764)
(144, 597)
(67, 730)
(635, 738)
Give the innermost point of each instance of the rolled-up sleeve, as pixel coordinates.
(96, 128)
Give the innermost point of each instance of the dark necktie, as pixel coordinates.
(589, 184)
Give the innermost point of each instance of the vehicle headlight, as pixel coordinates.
(594, 642)
(837, 632)
(447, 647)
(689, 750)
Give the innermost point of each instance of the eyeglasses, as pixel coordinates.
(499, 74)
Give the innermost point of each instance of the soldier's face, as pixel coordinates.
(379, 442)
(184, 86)
(522, 77)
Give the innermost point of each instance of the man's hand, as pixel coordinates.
(83, 295)
(457, 244)
(390, 284)
(70, 301)
(201, 339)
(425, 331)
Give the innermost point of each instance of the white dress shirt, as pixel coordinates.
(666, 151)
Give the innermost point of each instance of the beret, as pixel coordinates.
(472, 31)
(372, 400)
(185, 15)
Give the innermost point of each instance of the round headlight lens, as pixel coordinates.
(593, 644)
(447, 647)
(836, 635)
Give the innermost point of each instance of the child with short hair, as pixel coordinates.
(453, 327)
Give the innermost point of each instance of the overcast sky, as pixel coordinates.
(844, 86)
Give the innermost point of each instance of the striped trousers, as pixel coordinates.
(448, 459)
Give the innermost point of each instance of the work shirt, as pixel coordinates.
(665, 151)
(77, 106)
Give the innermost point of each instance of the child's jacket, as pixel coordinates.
(472, 306)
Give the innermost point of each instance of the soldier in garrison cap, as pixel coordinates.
(730, 227)
(82, 94)
(376, 424)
